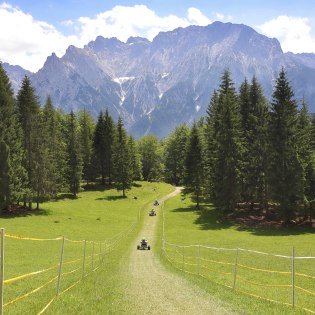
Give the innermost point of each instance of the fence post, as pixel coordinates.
(235, 268)
(2, 270)
(199, 248)
(60, 264)
(92, 255)
(293, 277)
(84, 255)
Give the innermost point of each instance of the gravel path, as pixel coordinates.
(152, 289)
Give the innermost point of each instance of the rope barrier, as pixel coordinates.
(29, 293)
(304, 275)
(266, 285)
(216, 271)
(32, 238)
(305, 290)
(264, 270)
(216, 261)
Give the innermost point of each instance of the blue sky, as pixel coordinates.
(31, 30)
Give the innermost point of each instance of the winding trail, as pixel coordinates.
(152, 289)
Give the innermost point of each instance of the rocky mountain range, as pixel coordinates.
(157, 85)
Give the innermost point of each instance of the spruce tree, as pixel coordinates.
(175, 155)
(109, 130)
(122, 161)
(254, 113)
(286, 169)
(29, 111)
(135, 159)
(4, 175)
(150, 157)
(210, 144)
(86, 140)
(99, 145)
(305, 154)
(11, 135)
(74, 155)
(227, 161)
(194, 165)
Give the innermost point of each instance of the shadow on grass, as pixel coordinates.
(65, 196)
(95, 187)
(25, 212)
(112, 198)
(209, 218)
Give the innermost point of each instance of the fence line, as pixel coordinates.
(110, 245)
(172, 252)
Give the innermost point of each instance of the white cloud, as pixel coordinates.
(27, 41)
(123, 22)
(222, 17)
(195, 16)
(294, 33)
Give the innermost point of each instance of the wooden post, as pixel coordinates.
(2, 271)
(293, 277)
(84, 255)
(60, 264)
(235, 268)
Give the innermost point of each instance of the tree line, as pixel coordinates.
(44, 151)
(245, 150)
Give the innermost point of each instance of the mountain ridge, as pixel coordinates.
(155, 85)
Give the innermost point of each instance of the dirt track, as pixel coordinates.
(151, 289)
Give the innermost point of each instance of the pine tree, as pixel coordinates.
(109, 130)
(4, 175)
(210, 144)
(150, 157)
(254, 113)
(122, 161)
(86, 139)
(227, 161)
(194, 165)
(135, 159)
(305, 154)
(99, 145)
(286, 170)
(175, 146)
(74, 156)
(11, 135)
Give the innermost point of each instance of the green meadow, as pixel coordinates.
(99, 216)
(259, 278)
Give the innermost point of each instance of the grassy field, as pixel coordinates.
(95, 216)
(186, 226)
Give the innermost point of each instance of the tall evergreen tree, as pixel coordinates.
(135, 159)
(210, 143)
(4, 175)
(86, 140)
(194, 165)
(254, 113)
(99, 145)
(11, 135)
(122, 161)
(227, 161)
(150, 157)
(109, 130)
(29, 111)
(175, 155)
(286, 169)
(74, 156)
(305, 154)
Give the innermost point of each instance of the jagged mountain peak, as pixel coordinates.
(156, 85)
